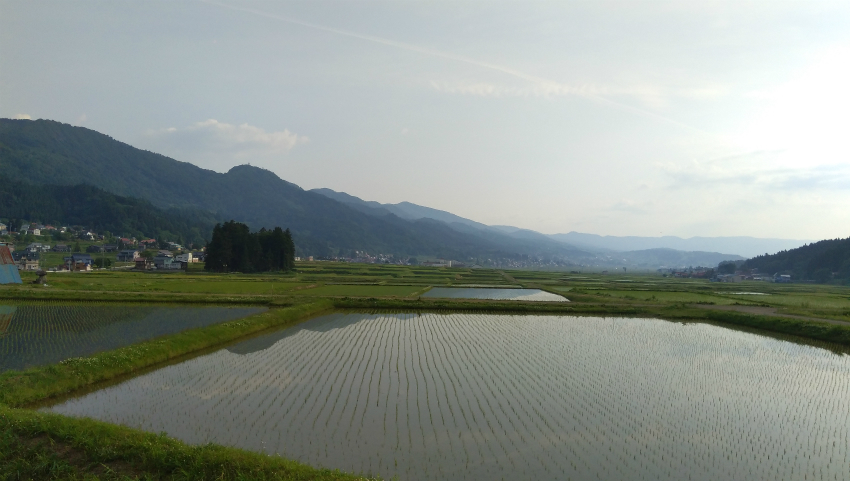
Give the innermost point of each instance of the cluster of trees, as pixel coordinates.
(817, 261)
(234, 248)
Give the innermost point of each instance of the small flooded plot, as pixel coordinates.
(495, 294)
(41, 334)
(486, 396)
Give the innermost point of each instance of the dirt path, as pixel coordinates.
(768, 311)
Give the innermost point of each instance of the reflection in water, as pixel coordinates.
(6, 314)
(319, 324)
(48, 333)
(481, 397)
(495, 294)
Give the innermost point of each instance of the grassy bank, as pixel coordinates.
(48, 446)
(46, 294)
(820, 331)
(36, 384)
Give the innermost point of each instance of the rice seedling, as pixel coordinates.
(38, 334)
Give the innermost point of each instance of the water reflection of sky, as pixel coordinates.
(474, 396)
(495, 294)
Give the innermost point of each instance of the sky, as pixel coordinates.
(653, 118)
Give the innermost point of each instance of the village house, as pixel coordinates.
(61, 248)
(78, 262)
(38, 247)
(127, 255)
(27, 264)
(143, 263)
(164, 260)
(187, 257)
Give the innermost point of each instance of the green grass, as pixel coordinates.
(36, 445)
(361, 291)
(668, 297)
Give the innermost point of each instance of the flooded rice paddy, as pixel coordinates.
(41, 334)
(483, 397)
(494, 293)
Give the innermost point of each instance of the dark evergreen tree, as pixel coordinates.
(234, 248)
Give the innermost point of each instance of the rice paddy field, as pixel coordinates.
(533, 295)
(485, 396)
(38, 334)
(332, 279)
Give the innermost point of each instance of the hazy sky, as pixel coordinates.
(627, 118)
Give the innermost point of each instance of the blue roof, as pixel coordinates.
(9, 274)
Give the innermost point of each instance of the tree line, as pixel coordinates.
(234, 248)
(822, 261)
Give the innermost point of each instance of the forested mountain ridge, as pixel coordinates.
(101, 211)
(48, 152)
(817, 261)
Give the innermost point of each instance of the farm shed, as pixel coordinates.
(8, 269)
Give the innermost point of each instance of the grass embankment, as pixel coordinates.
(145, 297)
(821, 331)
(49, 446)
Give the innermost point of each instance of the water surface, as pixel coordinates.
(494, 293)
(483, 397)
(41, 334)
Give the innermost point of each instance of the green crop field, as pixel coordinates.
(361, 291)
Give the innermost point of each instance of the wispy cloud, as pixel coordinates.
(22, 117)
(220, 145)
(538, 84)
(757, 169)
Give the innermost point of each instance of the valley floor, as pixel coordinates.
(35, 445)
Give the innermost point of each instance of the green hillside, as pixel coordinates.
(101, 211)
(817, 261)
(48, 152)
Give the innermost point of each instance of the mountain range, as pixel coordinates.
(323, 222)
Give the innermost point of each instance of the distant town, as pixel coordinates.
(35, 246)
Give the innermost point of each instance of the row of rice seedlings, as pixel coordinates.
(489, 396)
(42, 333)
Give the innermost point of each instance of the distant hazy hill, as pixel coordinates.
(405, 210)
(323, 222)
(48, 152)
(629, 251)
(743, 246)
(97, 209)
(675, 258)
(816, 261)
